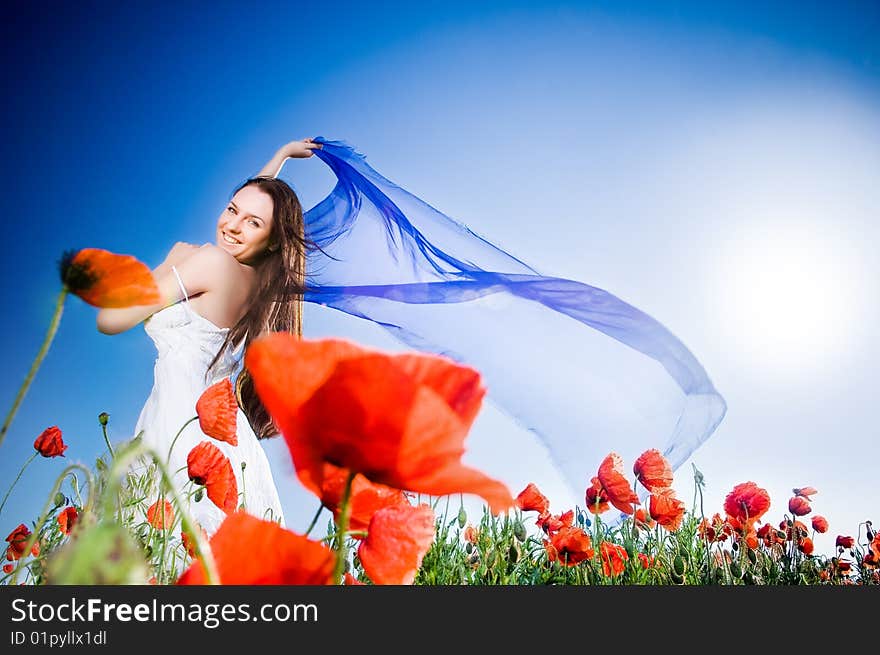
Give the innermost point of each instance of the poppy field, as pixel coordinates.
(378, 438)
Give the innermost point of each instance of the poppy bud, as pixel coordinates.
(100, 465)
(748, 578)
(519, 531)
(197, 496)
(735, 570)
(243, 466)
(468, 547)
(59, 499)
(678, 565)
(462, 517)
(103, 417)
(734, 546)
(513, 553)
(753, 556)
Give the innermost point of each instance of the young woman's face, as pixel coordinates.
(244, 227)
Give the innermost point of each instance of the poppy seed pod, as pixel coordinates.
(519, 531)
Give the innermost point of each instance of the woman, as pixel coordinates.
(217, 299)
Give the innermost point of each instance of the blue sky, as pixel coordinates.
(715, 166)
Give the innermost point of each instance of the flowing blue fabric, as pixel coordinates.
(584, 371)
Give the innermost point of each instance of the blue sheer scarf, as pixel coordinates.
(582, 370)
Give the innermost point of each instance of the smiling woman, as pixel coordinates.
(215, 300)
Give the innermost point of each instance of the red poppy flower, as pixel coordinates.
(18, 539)
(8, 568)
(531, 499)
(648, 561)
(715, 529)
(67, 519)
(820, 523)
(50, 443)
(844, 566)
(614, 558)
(643, 520)
(616, 487)
(400, 420)
(550, 523)
(844, 542)
(804, 492)
(572, 545)
(596, 498)
(105, 279)
(217, 409)
(747, 502)
(250, 551)
(805, 545)
(667, 509)
(190, 544)
(799, 506)
(397, 541)
(653, 470)
(365, 500)
(875, 545)
(470, 534)
(207, 465)
(161, 516)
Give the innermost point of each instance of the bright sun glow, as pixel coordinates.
(789, 295)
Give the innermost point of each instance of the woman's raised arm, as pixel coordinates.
(295, 149)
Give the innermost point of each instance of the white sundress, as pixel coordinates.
(186, 343)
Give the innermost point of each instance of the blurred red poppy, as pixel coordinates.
(397, 541)
(190, 544)
(400, 420)
(8, 568)
(161, 515)
(615, 484)
(50, 443)
(572, 545)
(105, 279)
(614, 558)
(596, 499)
(250, 551)
(531, 499)
(805, 545)
(349, 580)
(208, 466)
(653, 470)
(820, 523)
(747, 502)
(470, 534)
(667, 509)
(67, 519)
(366, 498)
(217, 410)
(844, 542)
(18, 539)
(799, 506)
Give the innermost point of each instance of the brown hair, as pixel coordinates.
(276, 303)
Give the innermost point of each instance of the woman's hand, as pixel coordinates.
(300, 149)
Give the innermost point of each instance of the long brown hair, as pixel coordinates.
(276, 303)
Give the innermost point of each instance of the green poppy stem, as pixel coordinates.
(45, 513)
(50, 335)
(9, 491)
(315, 519)
(342, 528)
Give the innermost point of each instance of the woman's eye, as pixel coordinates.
(254, 223)
(230, 210)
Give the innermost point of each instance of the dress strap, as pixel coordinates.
(180, 282)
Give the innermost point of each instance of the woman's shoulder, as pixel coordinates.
(214, 263)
